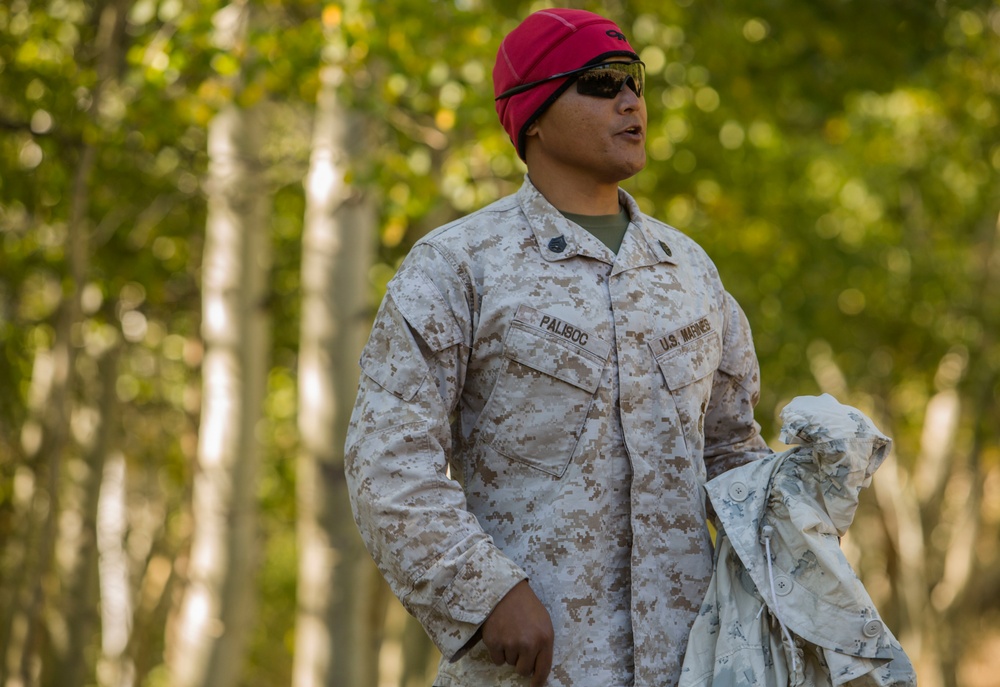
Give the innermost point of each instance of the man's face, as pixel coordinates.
(601, 139)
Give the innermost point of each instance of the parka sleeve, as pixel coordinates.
(438, 561)
(732, 436)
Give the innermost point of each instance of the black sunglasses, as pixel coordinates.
(604, 80)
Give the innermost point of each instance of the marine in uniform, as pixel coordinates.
(540, 408)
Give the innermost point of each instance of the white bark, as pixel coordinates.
(333, 630)
(216, 611)
(117, 608)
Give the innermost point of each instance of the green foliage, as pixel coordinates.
(841, 197)
(839, 159)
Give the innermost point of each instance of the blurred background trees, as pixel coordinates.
(201, 203)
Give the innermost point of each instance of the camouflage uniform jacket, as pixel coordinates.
(779, 551)
(533, 406)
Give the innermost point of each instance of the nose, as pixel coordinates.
(627, 98)
(631, 83)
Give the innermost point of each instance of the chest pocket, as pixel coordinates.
(687, 370)
(686, 364)
(536, 411)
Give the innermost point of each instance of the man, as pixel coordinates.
(541, 403)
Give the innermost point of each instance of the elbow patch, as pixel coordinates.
(413, 317)
(392, 356)
(738, 356)
(425, 309)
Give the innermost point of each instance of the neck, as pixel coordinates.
(594, 198)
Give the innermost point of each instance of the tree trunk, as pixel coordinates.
(333, 627)
(57, 588)
(36, 501)
(214, 619)
(116, 668)
(76, 618)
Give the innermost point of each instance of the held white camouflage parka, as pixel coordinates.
(533, 406)
(784, 607)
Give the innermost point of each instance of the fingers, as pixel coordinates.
(497, 655)
(519, 632)
(527, 660)
(536, 665)
(543, 664)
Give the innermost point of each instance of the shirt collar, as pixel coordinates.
(558, 238)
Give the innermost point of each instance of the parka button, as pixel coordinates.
(873, 628)
(666, 249)
(738, 491)
(783, 585)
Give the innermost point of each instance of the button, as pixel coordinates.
(666, 249)
(873, 628)
(558, 244)
(738, 491)
(783, 585)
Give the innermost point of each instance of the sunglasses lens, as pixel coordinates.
(607, 80)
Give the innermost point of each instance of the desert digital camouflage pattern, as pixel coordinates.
(792, 508)
(580, 401)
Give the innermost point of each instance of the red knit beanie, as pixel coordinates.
(549, 42)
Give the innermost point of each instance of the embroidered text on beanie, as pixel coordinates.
(549, 42)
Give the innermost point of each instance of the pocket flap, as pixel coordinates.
(425, 309)
(572, 355)
(687, 363)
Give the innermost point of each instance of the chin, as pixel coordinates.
(630, 169)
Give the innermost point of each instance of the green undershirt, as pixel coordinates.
(609, 229)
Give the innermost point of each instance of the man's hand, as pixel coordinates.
(519, 632)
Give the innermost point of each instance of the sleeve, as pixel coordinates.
(438, 561)
(732, 436)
